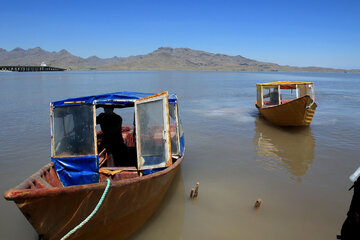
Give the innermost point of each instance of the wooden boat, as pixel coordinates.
(286, 103)
(55, 203)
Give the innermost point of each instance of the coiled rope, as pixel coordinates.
(91, 214)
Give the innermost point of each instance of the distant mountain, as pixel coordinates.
(63, 59)
(164, 58)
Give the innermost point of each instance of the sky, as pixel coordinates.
(297, 33)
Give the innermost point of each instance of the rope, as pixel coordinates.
(309, 106)
(91, 214)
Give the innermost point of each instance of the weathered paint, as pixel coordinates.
(292, 113)
(55, 210)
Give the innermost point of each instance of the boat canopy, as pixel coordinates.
(74, 148)
(118, 99)
(285, 84)
(275, 93)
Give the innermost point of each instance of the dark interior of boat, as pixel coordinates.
(106, 162)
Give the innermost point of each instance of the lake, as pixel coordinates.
(301, 174)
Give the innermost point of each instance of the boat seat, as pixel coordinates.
(130, 138)
(285, 101)
(120, 168)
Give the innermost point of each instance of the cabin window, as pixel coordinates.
(306, 89)
(270, 95)
(174, 131)
(259, 91)
(287, 95)
(73, 131)
(152, 131)
(152, 126)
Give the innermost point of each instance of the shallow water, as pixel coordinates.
(301, 174)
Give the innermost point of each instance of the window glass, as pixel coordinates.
(270, 95)
(151, 126)
(287, 95)
(73, 131)
(305, 89)
(173, 130)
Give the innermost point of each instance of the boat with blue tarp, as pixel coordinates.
(100, 184)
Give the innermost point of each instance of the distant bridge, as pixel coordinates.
(30, 68)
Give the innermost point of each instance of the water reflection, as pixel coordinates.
(168, 220)
(284, 148)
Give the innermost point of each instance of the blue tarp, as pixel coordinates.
(122, 99)
(182, 144)
(151, 171)
(77, 170)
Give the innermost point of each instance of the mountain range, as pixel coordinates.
(164, 58)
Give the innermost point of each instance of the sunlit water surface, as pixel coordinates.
(301, 174)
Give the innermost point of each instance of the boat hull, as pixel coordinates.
(54, 211)
(298, 112)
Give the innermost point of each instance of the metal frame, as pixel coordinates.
(313, 91)
(269, 87)
(279, 94)
(260, 91)
(52, 133)
(297, 91)
(178, 153)
(94, 127)
(168, 153)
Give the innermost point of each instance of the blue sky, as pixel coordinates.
(292, 32)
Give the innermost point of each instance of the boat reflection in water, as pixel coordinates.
(279, 148)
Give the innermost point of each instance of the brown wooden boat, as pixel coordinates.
(133, 195)
(53, 210)
(287, 103)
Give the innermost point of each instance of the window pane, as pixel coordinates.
(151, 121)
(258, 97)
(288, 94)
(73, 131)
(305, 90)
(270, 95)
(173, 129)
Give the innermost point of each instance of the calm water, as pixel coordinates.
(301, 174)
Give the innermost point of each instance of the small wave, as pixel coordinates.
(325, 122)
(234, 114)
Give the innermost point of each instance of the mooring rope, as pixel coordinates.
(309, 106)
(91, 214)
